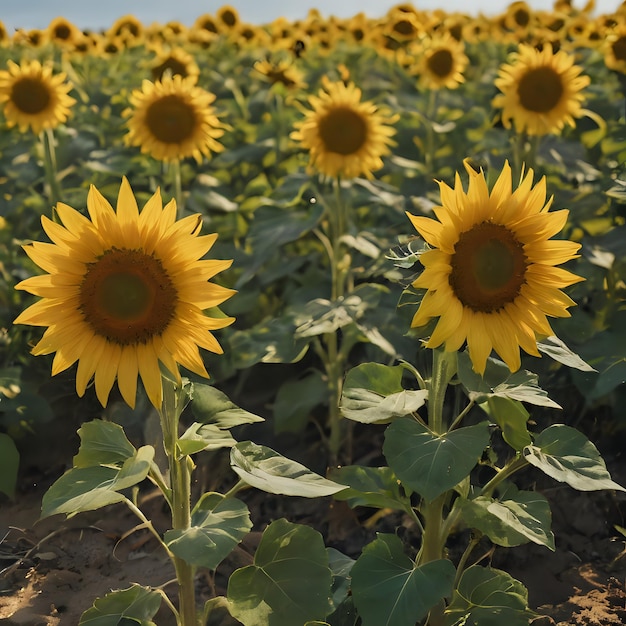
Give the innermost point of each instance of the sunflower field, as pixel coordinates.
(346, 296)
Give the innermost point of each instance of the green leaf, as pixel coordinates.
(341, 566)
(136, 605)
(102, 443)
(210, 406)
(389, 590)
(89, 488)
(512, 519)
(296, 399)
(555, 348)
(204, 437)
(370, 486)
(9, 464)
(498, 381)
(431, 464)
(320, 316)
(373, 393)
(488, 597)
(568, 456)
(269, 471)
(511, 417)
(289, 582)
(218, 524)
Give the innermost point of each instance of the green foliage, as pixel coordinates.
(289, 583)
(432, 464)
(391, 590)
(135, 605)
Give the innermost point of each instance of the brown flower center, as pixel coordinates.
(30, 95)
(172, 66)
(488, 267)
(170, 119)
(127, 297)
(619, 48)
(343, 131)
(62, 32)
(540, 90)
(441, 62)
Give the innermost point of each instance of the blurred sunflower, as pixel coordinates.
(125, 291)
(615, 49)
(63, 33)
(227, 17)
(345, 136)
(33, 96)
(175, 61)
(280, 72)
(541, 90)
(128, 27)
(173, 119)
(491, 277)
(442, 63)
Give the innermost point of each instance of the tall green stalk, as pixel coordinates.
(180, 466)
(177, 184)
(53, 188)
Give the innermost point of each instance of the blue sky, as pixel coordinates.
(97, 14)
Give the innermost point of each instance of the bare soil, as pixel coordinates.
(53, 569)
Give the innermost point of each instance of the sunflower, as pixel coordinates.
(541, 90)
(280, 72)
(63, 33)
(125, 291)
(442, 63)
(615, 49)
(33, 96)
(173, 119)
(174, 61)
(491, 275)
(344, 135)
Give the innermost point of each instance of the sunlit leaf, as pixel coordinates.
(102, 443)
(210, 406)
(269, 471)
(135, 605)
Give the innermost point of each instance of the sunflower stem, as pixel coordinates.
(177, 182)
(444, 368)
(180, 466)
(431, 110)
(50, 166)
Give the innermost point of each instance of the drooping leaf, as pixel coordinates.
(204, 437)
(289, 581)
(210, 406)
(321, 316)
(89, 488)
(555, 348)
(390, 590)
(429, 463)
(488, 597)
(512, 519)
(218, 524)
(498, 381)
(566, 455)
(135, 605)
(373, 393)
(269, 471)
(102, 443)
(370, 486)
(9, 464)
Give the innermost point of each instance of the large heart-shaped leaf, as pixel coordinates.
(269, 471)
(389, 590)
(218, 524)
(429, 463)
(566, 455)
(289, 582)
(135, 605)
(89, 488)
